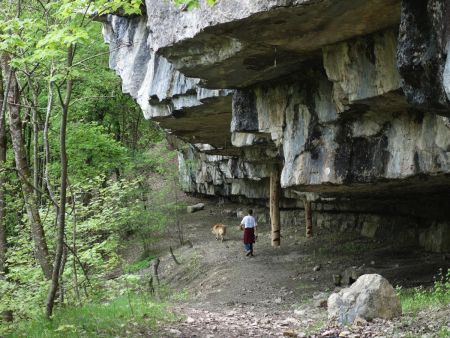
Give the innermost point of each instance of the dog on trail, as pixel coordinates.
(219, 230)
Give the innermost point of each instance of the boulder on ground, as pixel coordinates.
(371, 296)
(352, 273)
(195, 207)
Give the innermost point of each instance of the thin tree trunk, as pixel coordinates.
(3, 144)
(34, 122)
(275, 206)
(61, 281)
(27, 130)
(74, 247)
(37, 231)
(46, 142)
(63, 194)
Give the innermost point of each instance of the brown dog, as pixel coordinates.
(219, 230)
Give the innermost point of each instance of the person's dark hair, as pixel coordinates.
(250, 211)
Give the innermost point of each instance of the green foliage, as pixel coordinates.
(191, 4)
(139, 265)
(444, 332)
(91, 150)
(127, 315)
(115, 162)
(419, 298)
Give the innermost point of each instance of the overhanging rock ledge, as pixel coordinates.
(350, 98)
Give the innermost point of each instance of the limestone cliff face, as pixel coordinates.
(349, 98)
(349, 124)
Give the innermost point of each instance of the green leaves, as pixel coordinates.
(111, 151)
(63, 37)
(91, 151)
(191, 4)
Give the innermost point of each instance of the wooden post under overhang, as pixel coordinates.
(308, 218)
(275, 191)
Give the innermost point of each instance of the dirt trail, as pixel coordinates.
(279, 292)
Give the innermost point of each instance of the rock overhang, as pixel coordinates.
(318, 91)
(235, 44)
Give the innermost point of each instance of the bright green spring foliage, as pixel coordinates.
(413, 300)
(114, 156)
(127, 315)
(91, 150)
(191, 4)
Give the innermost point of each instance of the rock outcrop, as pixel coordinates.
(370, 297)
(349, 99)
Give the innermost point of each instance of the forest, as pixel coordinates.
(74, 156)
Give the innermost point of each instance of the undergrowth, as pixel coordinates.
(414, 300)
(126, 315)
(139, 265)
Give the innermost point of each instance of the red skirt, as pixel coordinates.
(249, 235)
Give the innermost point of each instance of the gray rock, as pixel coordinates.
(369, 229)
(421, 57)
(195, 207)
(371, 296)
(343, 104)
(175, 332)
(436, 238)
(352, 273)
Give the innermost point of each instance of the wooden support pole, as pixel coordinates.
(275, 206)
(308, 218)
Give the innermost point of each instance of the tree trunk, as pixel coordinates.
(37, 231)
(3, 144)
(74, 248)
(34, 122)
(57, 271)
(275, 206)
(46, 142)
(308, 218)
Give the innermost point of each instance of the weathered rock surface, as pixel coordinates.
(423, 54)
(352, 105)
(343, 132)
(436, 238)
(277, 35)
(160, 89)
(370, 297)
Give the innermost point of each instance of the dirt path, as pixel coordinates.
(279, 292)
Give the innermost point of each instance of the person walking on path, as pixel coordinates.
(248, 224)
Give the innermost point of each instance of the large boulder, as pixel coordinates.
(371, 296)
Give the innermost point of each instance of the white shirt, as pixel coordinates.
(249, 221)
